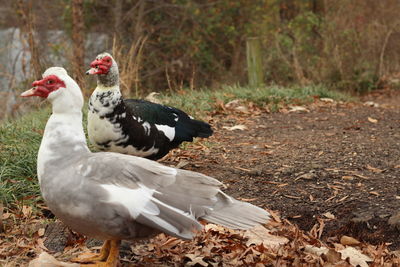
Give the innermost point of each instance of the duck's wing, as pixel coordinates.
(168, 199)
(172, 121)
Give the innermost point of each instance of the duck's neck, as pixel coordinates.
(67, 104)
(111, 79)
(104, 100)
(63, 140)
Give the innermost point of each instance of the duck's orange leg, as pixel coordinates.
(102, 256)
(112, 259)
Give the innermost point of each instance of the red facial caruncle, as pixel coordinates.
(44, 87)
(100, 66)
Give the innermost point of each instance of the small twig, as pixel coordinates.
(242, 169)
(292, 197)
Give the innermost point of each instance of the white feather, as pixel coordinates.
(167, 130)
(146, 127)
(58, 128)
(137, 201)
(102, 130)
(140, 201)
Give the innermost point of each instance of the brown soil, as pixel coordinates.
(333, 160)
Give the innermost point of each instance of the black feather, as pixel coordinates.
(186, 128)
(137, 112)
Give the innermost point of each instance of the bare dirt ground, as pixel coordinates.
(330, 160)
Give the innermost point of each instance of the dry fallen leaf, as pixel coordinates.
(329, 215)
(152, 97)
(214, 227)
(182, 164)
(347, 177)
(6, 215)
(371, 104)
(41, 232)
(372, 120)
(373, 169)
(275, 215)
(195, 259)
(348, 240)
(242, 109)
(327, 100)
(374, 193)
(236, 127)
(260, 235)
(298, 109)
(315, 250)
(27, 211)
(46, 260)
(232, 103)
(355, 257)
(332, 256)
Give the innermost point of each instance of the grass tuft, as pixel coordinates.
(19, 144)
(199, 101)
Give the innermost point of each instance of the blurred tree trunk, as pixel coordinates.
(139, 21)
(287, 10)
(318, 8)
(254, 62)
(236, 67)
(117, 10)
(24, 9)
(78, 42)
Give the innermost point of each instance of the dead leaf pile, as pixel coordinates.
(280, 243)
(22, 236)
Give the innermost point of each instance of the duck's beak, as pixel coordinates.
(92, 71)
(30, 92)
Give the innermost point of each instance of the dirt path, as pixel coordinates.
(335, 161)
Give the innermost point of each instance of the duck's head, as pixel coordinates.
(102, 65)
(56, 84)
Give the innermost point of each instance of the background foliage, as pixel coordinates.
(350, 45)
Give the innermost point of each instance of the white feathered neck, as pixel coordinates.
(63, 136)
(65, 100)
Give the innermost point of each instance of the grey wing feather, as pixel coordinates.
(181, 196)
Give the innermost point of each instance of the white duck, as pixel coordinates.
(113, 196)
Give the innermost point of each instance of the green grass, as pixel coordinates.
(198, 101)
(19, 144)
(20, 139)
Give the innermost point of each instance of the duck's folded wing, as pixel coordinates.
(168, 199)
(170, 120)
(152, 112)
